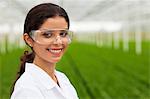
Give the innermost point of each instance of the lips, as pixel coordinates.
(55, 51)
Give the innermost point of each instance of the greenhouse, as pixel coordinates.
(109, 57)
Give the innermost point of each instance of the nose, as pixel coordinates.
(57, 40)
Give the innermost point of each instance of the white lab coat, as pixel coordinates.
(37, 84)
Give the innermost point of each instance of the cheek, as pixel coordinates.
(66, 47)
(38, 49)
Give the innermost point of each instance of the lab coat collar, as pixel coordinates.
(40, 76)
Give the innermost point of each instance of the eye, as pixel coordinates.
(47, 34)
(63, 33)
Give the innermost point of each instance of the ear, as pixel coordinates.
(28, 39)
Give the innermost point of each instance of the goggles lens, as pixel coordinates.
(48, 36)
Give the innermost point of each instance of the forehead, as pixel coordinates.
(55, 23)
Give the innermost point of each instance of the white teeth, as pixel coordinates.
(54, 51)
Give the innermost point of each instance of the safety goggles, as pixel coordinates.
(48, 36)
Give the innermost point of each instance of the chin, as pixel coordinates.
(54, 60)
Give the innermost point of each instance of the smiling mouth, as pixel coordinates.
(55, 50)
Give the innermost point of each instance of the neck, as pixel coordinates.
(48, 67)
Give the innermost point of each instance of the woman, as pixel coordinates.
(46, 31)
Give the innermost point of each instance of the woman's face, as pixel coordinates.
(53, 51)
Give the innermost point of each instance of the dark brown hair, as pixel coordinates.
(34, 19)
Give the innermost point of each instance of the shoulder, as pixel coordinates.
(26, 93)
(25, 88)
(26, 80)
